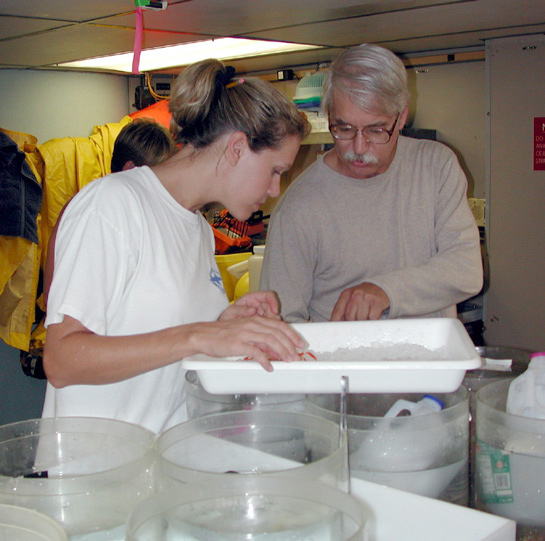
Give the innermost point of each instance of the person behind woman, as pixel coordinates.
(136, 286)
(142, 142)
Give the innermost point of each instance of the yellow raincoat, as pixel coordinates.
(62, 166)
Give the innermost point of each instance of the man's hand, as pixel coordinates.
(359, 303)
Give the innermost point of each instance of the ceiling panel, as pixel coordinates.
(84, 41)
(66, 10)
(11, 27)
(470, 40)
(240, 17)
(42, 33)
(439, 21)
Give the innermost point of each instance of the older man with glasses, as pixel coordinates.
(378, 227)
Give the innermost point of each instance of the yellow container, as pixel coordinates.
(243, 286)
(224, 261)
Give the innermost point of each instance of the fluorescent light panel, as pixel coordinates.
(187, 53)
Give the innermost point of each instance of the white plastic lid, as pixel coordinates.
(259, 249)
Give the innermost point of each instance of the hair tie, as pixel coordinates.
(224, 78)
(235, 83)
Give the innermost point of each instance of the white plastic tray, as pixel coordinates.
(449, 353)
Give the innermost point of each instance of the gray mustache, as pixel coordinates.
(367, 158)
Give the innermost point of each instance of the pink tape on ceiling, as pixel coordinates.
(137, 41)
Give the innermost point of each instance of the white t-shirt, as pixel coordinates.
(128, 260)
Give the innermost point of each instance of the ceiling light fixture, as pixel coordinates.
(187, 53)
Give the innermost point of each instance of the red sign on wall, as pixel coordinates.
(539, 144)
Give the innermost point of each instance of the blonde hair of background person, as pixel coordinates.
(136, 285)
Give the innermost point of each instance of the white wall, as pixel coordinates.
(515, 301)
(451, 98)
(50, 104)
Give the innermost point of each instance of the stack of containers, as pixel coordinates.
(309, 90)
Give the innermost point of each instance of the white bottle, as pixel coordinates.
(428, 404)
(399, 445)
(254, 267)
(526, 396)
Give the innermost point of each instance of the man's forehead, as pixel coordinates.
(346, 104)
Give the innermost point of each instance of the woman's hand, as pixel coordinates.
(257, 338)
(260, 303)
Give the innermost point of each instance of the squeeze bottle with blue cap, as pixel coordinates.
(428, 404)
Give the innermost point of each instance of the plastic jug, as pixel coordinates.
(428, 404)
(526, 396)
(254, 266)
(385, 448)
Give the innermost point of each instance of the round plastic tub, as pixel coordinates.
(87, 474)
(510, 462)
(475, 380)
(200, 402)
(250, 507)
(21, 524)
(426, 455)
(281, 444)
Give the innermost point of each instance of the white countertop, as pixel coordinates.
(402, 516)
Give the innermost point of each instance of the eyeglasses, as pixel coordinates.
(378, 136)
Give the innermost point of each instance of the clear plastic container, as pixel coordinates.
(251, 507)
(426, 454)
(21, 524)
(510, 462)
(87, 474)
(200, 402)
(475, 380)
(281, 444)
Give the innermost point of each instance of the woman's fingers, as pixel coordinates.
(258, 338)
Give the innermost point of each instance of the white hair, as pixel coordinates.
(373, 77)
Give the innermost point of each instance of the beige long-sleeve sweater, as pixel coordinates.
(409, 231)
